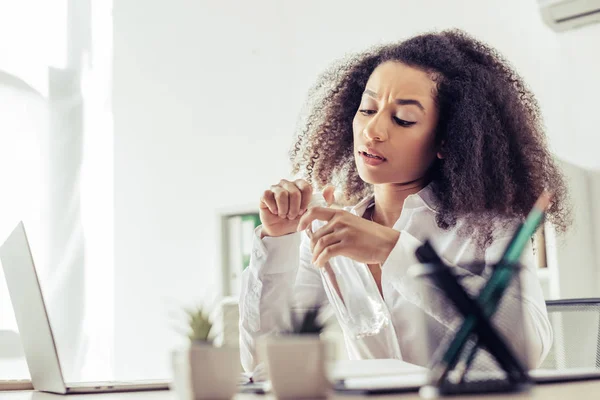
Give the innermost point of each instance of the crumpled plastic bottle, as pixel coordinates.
(358, 305)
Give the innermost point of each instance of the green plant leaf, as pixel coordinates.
(199, 325)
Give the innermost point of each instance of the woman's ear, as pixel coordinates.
(440, 152)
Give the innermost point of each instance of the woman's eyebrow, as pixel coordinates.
(402, 102)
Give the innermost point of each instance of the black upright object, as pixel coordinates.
(443, 373)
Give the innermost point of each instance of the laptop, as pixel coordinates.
(35, 330)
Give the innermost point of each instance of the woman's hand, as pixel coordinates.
(282, 205)
(346, 234)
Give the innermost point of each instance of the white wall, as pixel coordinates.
(579, 81)
(205, 99)
(201, 122)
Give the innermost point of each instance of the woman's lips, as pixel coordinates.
(371, 159)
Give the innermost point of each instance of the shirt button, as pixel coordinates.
(257, 254)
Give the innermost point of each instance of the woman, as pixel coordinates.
(433, 138)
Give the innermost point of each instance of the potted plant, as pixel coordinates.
(202, 370)
(296, 360)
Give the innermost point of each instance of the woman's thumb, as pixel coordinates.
(329, 194)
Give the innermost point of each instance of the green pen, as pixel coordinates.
(492, 292)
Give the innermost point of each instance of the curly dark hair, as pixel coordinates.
(496, 161)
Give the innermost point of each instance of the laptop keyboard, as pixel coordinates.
(103, 383)
(115, 383)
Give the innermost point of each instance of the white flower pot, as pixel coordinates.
(206, 372)
(297, 365)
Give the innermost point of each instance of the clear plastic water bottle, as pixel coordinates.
(359, 307)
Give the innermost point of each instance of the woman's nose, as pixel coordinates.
(376, 129)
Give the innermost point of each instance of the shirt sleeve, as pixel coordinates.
(526, 305)
(279, 279)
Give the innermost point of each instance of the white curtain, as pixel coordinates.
(41, 165)
(56, 139)
(23, 121)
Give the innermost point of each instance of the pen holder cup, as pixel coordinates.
(450, 293)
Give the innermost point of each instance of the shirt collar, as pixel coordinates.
(423, 198)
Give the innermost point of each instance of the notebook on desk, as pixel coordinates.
(377, 376)
(35, 329)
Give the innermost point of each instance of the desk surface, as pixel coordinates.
(572, 390)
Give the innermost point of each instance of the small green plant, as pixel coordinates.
(308, 324)
(200, 325)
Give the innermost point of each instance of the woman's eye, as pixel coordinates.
(367, 112)
(403, 123)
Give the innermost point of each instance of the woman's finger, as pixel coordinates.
(306, 189)
(328, 252)
(282, 200)
(319, 233)
(267, 201)
(324, 242)
(316, 213)
(294, 197)
(329, 194)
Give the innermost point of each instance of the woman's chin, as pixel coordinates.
(372, 179)
(378, 179)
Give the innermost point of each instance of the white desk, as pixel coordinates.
(564, 391)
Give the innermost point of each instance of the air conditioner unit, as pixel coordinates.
(561, 15)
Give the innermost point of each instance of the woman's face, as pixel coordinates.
(394, 126)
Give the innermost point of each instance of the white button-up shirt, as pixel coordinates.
(281, 273)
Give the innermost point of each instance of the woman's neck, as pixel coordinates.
(389, 200)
